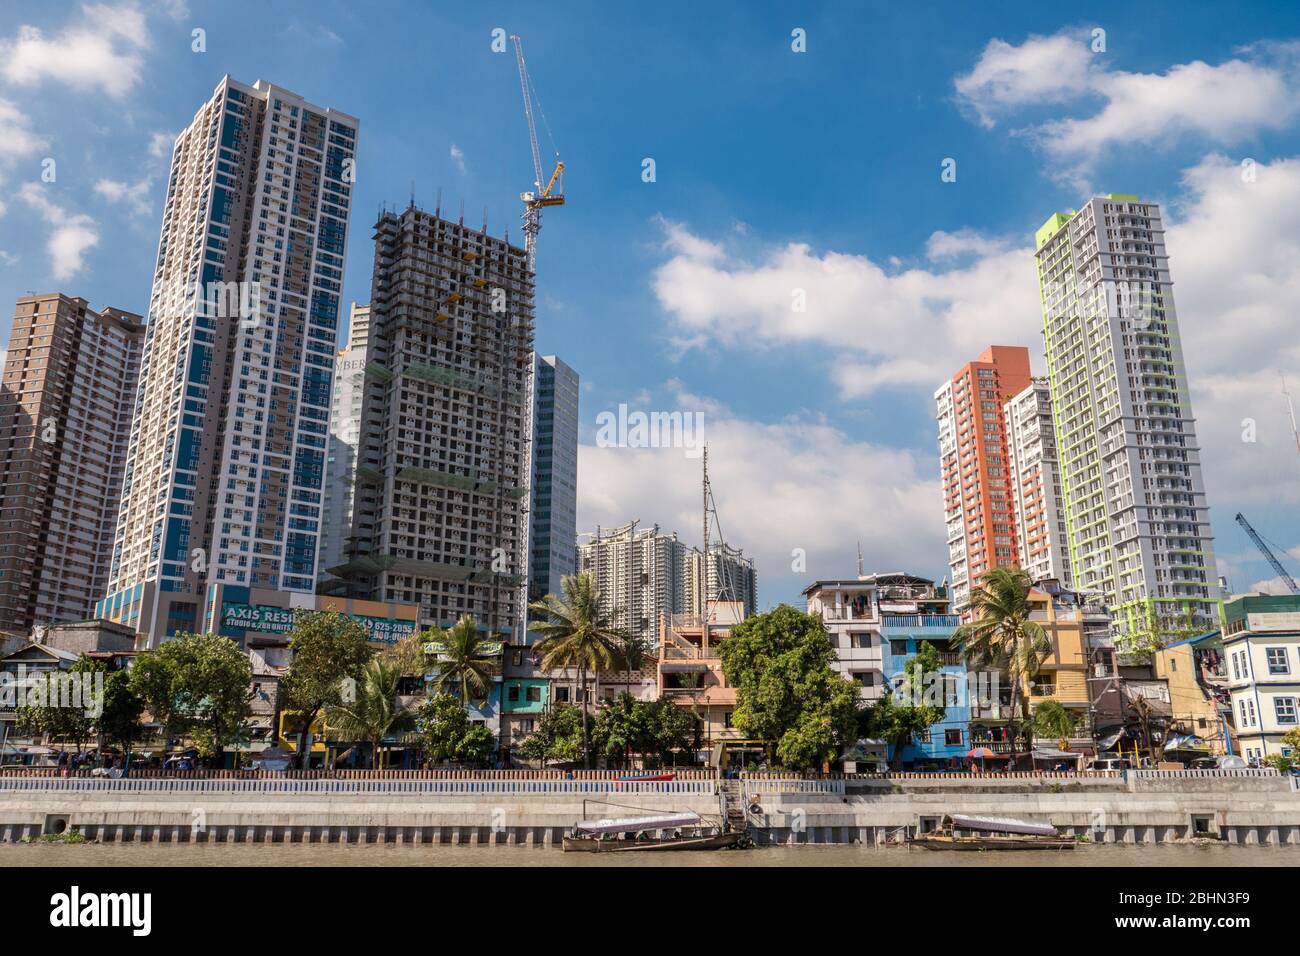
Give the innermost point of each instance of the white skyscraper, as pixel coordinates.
(1036, 492)
(1138, 521)
(345, 434)
(223, 486)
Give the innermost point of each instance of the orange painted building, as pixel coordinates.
(975, 464)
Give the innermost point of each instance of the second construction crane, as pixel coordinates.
(1268, 554)
(542, 195)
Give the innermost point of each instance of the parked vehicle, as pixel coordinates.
(1225, 762)
(1110, 763)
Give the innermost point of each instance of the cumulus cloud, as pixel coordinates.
(102, 50)
(796, 483)
(1223, 104)
(134, 196)
(71, 234)
(160, 145)
(458, 158)
(17, 139)
(1051, 69)
(883, 325)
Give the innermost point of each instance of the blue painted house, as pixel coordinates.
(902, 635)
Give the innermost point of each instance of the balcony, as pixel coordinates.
(948, 622)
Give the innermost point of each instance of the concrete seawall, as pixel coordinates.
(1252, 808)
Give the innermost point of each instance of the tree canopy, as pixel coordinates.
(787, 690)
(197, 686)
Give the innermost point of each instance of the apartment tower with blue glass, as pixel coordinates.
(222, 494)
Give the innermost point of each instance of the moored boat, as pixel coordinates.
(650, 833)
(961, 832)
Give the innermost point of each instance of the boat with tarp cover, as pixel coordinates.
(960, 832)
(650, 832)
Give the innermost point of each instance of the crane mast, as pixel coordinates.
(1268, 554)
(541, 195)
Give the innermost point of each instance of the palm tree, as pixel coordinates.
(577, 633)
(466, 661)
(633, 654)
(1002, 635)
(1053, 720)
(375, 711)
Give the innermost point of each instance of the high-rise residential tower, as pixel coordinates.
(975, 465)
(1036, 492)
(65, 417)
(726, 575)
(1138, 521)
(641, 575)
(553, 510)
(345, 437)
(224, 480)
(442, 458)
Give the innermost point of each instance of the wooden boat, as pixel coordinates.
(655, 833)
(960, 832)
(645, 777)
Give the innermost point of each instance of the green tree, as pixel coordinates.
(557, 736)
(46, 712)
(120, 721)
(374, 712)
(466, 660)
(576, 632)
(1286, 763)
(1051, 719)
(328, 649)
(449, 734)
(919, 705)
(787, 690)
(622, 728)
(671, 729)
(1003, 636)
(197, 686)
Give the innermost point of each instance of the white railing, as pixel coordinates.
(414, 787)
(1203, 774)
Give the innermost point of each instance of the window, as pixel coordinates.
(561, 695)
(898, 648)
(952, 737)
(1277, 662)
(1284, 710)
(512, 693)
(533, 695)
(865, 678)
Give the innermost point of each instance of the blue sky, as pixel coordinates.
(775, 171)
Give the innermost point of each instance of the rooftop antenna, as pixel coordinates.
(859, 560)
(412, 194)
(437, 209)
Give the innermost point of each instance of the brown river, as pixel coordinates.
(306, 854)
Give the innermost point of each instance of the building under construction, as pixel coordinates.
(439, 514)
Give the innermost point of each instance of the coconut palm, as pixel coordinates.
(466, 660)
(371, 710)
(1003, 636)
(576, 632)
(1053, 720)
(633, 655)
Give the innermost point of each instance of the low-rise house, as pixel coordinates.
(1261, 639)
(1196, 671)
(690, 675)
(1064, 674)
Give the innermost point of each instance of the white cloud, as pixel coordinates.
(103, 50)
(160, 145)
(458, 157)
(72, 235)
(880, 326)
(135, 196)
(1223, 104)
(17, 138)
(1050, 69)
(794, 483)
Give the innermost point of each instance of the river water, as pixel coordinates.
(316, 854)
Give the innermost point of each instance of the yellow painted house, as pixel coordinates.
(1063, 675)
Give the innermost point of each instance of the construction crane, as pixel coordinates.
(1264, 549)
(541, 195)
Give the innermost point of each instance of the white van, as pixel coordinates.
(1110, 763)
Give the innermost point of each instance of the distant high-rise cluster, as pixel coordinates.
(1091, 476)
